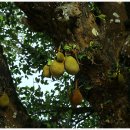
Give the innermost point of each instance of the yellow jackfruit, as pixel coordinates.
(60, 57)
(4, 100)
(57, 68)
(46, 71)
(71, 65)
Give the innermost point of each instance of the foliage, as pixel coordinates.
(22, 51)
(27, 52)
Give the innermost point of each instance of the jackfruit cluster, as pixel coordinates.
(56, 69)
(60, 64)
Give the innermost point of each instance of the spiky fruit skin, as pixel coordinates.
(60, 57)
(71, 65)
(57, 68)
(76, 97)
(46, 71)
(4, 100)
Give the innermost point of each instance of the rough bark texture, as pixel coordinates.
(109, 98)
(15, 115)
(8, 118)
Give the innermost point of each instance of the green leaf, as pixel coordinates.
(95, 32)
(67, 48)
(1, 17)
(101, 16)
(49, 62)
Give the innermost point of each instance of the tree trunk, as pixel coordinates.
(73, 23)
(14, 115)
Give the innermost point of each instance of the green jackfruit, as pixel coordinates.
(4, 100)
(71, 65)
(57, 68)
(60, 57)
(46, 71)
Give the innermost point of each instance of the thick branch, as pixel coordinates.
(71, 22)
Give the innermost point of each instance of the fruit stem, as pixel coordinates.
(59, 48)
(76, 84)
(76, 58)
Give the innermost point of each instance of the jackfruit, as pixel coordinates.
(76, 97)
(121, 79)
(60, 57)
(4, 100)
(46, 71)
(71, 65)
(57, 68)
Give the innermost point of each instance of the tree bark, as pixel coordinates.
(15, 114)
(109, 98)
